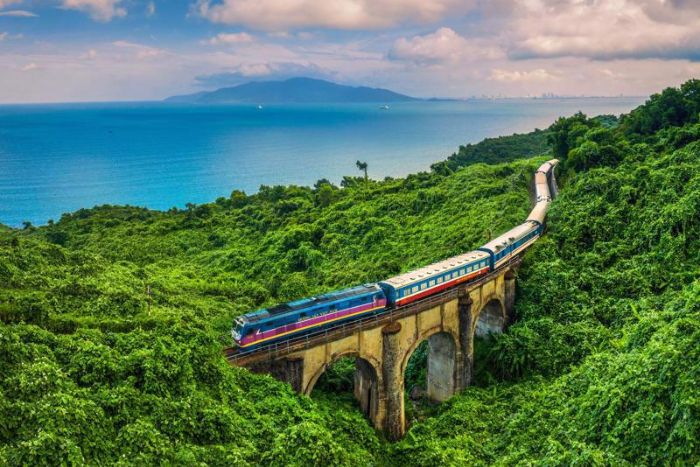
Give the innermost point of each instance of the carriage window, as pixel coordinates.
(432, 283)
(439, 280)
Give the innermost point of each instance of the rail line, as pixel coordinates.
(276, 350)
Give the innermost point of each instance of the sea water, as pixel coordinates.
(60, 158)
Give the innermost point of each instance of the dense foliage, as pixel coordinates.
(603, 365)
(112, 319)
(496, 151)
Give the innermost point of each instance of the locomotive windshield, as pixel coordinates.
(237, 328)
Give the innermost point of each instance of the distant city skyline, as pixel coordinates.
(103, 50)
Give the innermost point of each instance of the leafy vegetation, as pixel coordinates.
(112, 319)
(602, 365)
(496, 151)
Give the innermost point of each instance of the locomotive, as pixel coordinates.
(307, 315)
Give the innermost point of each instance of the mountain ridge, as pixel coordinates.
(292, 90)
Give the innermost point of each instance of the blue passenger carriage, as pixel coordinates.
(411, 286)
(504, 247)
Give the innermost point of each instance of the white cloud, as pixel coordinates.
(231, 38)
(338, 14)
(99, 10)
(18, 13)
(507, 47)
(605, 30)
(301, 35)
(271, 71)
(150, 9)
(142, 52)
(89, 55)
(443, 45)
(538, 74)
(7, 35)
(30, 67)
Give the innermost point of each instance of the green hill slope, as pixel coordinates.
(601, 367)
(140, 379)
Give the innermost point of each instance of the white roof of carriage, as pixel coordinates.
(435, 268)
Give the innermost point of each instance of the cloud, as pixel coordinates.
(89, 55)
(539, 74)
(30, 67)
(143, 52)
(18, 13)
(231, 38)
(443, 45)
(605, 30)
(7, 35)
(150, 9)
(99, 10)
(5, 3)
(263, 71)
(282, 15)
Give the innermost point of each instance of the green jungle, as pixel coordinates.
(113, 319)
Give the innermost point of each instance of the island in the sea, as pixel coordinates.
(293, 90)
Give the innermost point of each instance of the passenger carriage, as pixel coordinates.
(428, 280)
(307, 315)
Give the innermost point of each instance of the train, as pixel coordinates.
(297, 318)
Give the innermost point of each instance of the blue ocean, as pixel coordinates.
(60, 158)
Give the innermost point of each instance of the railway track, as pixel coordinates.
(236, 356)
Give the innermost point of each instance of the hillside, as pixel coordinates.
(294, 90)
(601, 367)
(78, 337)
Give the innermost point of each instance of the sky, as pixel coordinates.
(107, 50)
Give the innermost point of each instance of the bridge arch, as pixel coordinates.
(441, 378)
(491, 318)
(367, 380)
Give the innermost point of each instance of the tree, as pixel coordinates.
(363, 167)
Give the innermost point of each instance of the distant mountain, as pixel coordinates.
(294, 90)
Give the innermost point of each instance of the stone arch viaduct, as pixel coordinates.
(382, 346)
